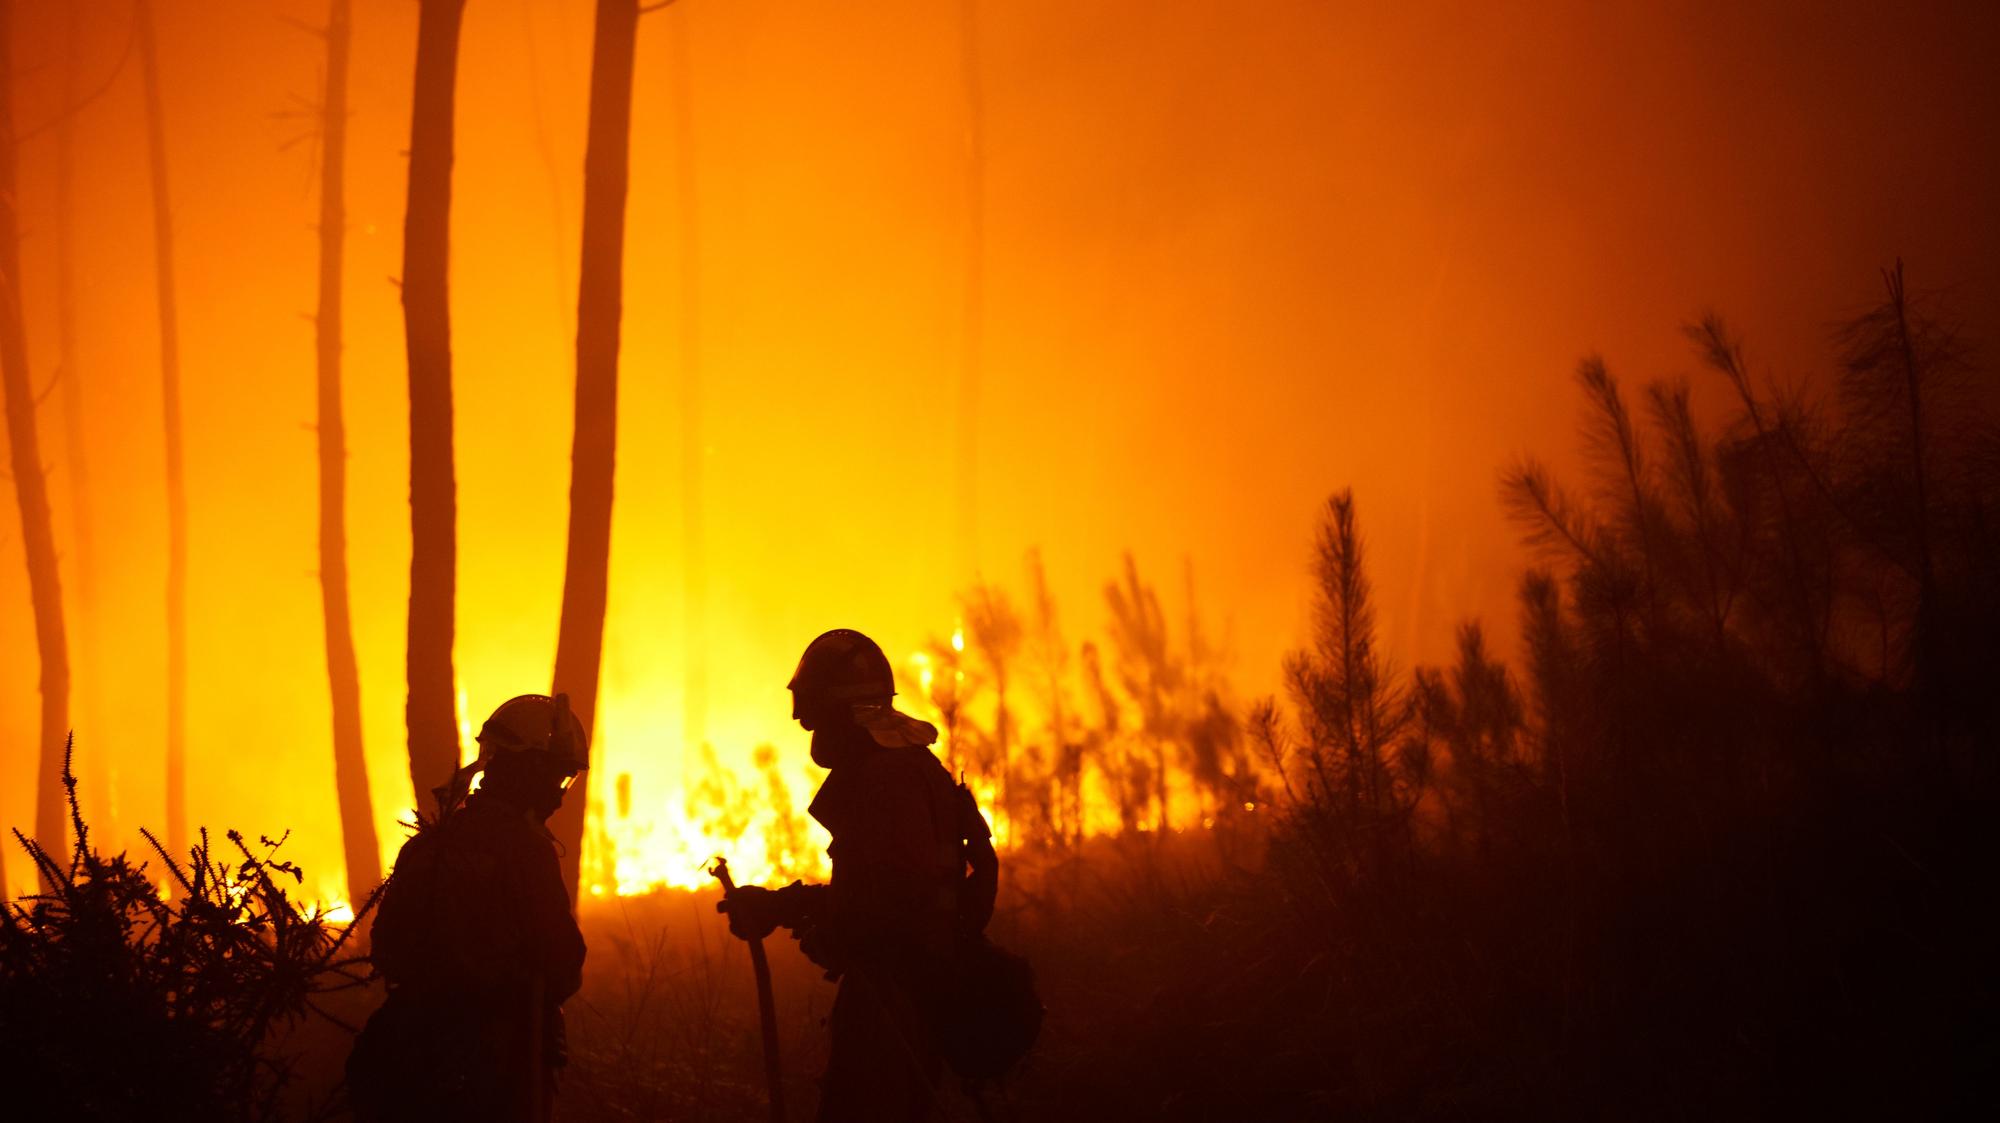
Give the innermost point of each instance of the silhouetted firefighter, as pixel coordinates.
(902, 923)
(475, 937)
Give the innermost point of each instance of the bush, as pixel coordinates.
(122, 1000)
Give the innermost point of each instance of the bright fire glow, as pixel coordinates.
(332, 901)
(468, 745)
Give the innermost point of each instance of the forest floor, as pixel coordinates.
(1184, 979)
(666, 1025)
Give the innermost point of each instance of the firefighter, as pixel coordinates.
(914, 879)
(475, 938)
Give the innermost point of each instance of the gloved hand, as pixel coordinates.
(752, 911)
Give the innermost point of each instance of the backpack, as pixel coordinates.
(991, 1013)
(988, 1013)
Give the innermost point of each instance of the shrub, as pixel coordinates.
(121, 999)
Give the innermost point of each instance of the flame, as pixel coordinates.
(333, 903)
(674, 853)
(468, 745)
(659, 811)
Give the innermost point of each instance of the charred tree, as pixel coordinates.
(170, 412)
(586, 575)
(430, 713)
(350, 763)
(30, 484)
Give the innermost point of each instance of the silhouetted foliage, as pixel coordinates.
(1715, 842)
(1355, 775)
(1718, 846)
(121, 999)
(1716, 851)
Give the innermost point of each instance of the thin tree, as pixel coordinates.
(1720, 349)
(994, 630)
(350, 763)
(1352, 707)
(170, 412)
(593, 453)
(83, 550)
(30, 484)
(1052, 660)
(430, 713)
(1150, 672)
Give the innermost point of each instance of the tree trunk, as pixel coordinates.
(350, 764)
(30, 487)
(91, 766)
(170, 403)
(580, 642)
(431, 714)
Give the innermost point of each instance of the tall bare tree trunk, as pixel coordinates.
(350, 764)
(83, 551)
(30, 487)
(431, 714)
(580, 643)
(170, 403)
(694, 550)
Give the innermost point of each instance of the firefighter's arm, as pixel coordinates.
(864, 911)
(557, 939)
(980, 888)
(395, 937)
(566, 950)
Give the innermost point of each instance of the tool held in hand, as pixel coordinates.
(767, 1010)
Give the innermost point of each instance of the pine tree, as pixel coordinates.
(431, 713)
(175, 476)
(350, 762)
(593, 455)
(30, 481)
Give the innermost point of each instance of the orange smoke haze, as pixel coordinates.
(1236, 255)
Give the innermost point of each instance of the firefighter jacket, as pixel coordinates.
(476, 941)
(899, 825)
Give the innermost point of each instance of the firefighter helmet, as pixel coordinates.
(536, 723)
(843, 665)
